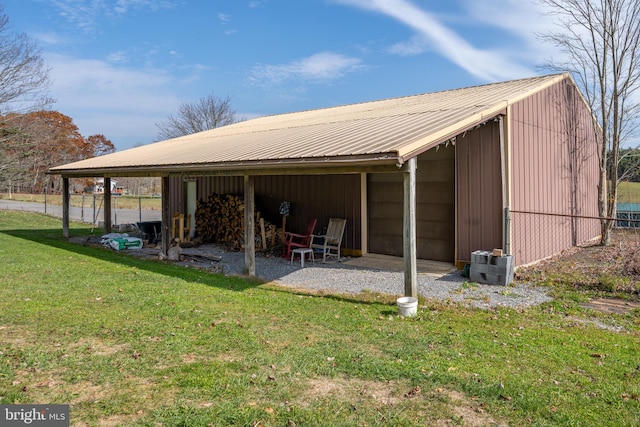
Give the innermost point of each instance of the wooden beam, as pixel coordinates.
(166, 217)
(65, 207)
(409, 230)
(249, 226)
(107, 205)
(364, 215)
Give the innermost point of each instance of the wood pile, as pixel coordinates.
(220, 219)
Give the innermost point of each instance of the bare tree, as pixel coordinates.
(206, 113)
(600, 40)
(24, 78)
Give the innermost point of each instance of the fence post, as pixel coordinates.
(94, 209)
(82, 209)
(507, 231)
(140, 207)
(115, 210)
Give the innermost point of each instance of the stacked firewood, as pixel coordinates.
(220, 219)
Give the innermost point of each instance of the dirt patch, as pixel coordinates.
(613, 269)
(460, 409)
(612, 305)
(468, 411)
(15, 336)
(380, 392)
(98, 348)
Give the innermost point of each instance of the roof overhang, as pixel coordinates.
(311, 166)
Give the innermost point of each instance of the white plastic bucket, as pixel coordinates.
(407, 306)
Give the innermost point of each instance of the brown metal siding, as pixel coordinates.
(434, 208)
(177, 195)
(385, 213)
(311, 196)
(479, 194)
(554, 170)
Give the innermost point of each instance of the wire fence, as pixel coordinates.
(89, 208)
(538, 235)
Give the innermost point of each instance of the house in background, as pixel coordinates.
(436, 176)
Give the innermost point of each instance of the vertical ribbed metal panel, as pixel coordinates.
(435, 199)
(385, 209)
(177, 195)
(479, 190)
(554, 170)
(435, 189)
(311, 196)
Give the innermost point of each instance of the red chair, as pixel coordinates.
(293, 240)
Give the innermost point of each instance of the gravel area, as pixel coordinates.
(340, 278)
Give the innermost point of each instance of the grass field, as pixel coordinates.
(629, 192)
(140, 343)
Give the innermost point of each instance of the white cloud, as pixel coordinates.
(224, 18)
(49, 38)
(523, 19)
(86, 15)
(321, 67)
(415, 46)
(119, 56)
(484, 64)
(115, 101)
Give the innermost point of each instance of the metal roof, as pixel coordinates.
(385, 132)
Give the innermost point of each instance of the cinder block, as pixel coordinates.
(489, 269)
(480, 257)
(491, 279)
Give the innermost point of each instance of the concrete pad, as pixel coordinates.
(392, 263)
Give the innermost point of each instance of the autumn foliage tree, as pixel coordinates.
(32, 143)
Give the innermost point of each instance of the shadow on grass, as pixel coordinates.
(53, 238)
(369, 298)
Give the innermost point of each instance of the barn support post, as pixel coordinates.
(409, 232)
(65, 207)
(249, 226)
(166, 217)
(107, 205)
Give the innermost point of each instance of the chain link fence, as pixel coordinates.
(535, 235)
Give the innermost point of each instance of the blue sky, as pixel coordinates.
(118, 67)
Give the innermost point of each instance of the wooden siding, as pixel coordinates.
(479, 193)
(434, 208)
(553, 153)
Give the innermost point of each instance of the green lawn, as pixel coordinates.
(629, 192)
(140, 343)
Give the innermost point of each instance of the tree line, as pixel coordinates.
(31, 143)
(629, 165)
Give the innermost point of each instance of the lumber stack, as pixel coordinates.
(220, 219)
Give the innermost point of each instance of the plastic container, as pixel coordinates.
(407, 306)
